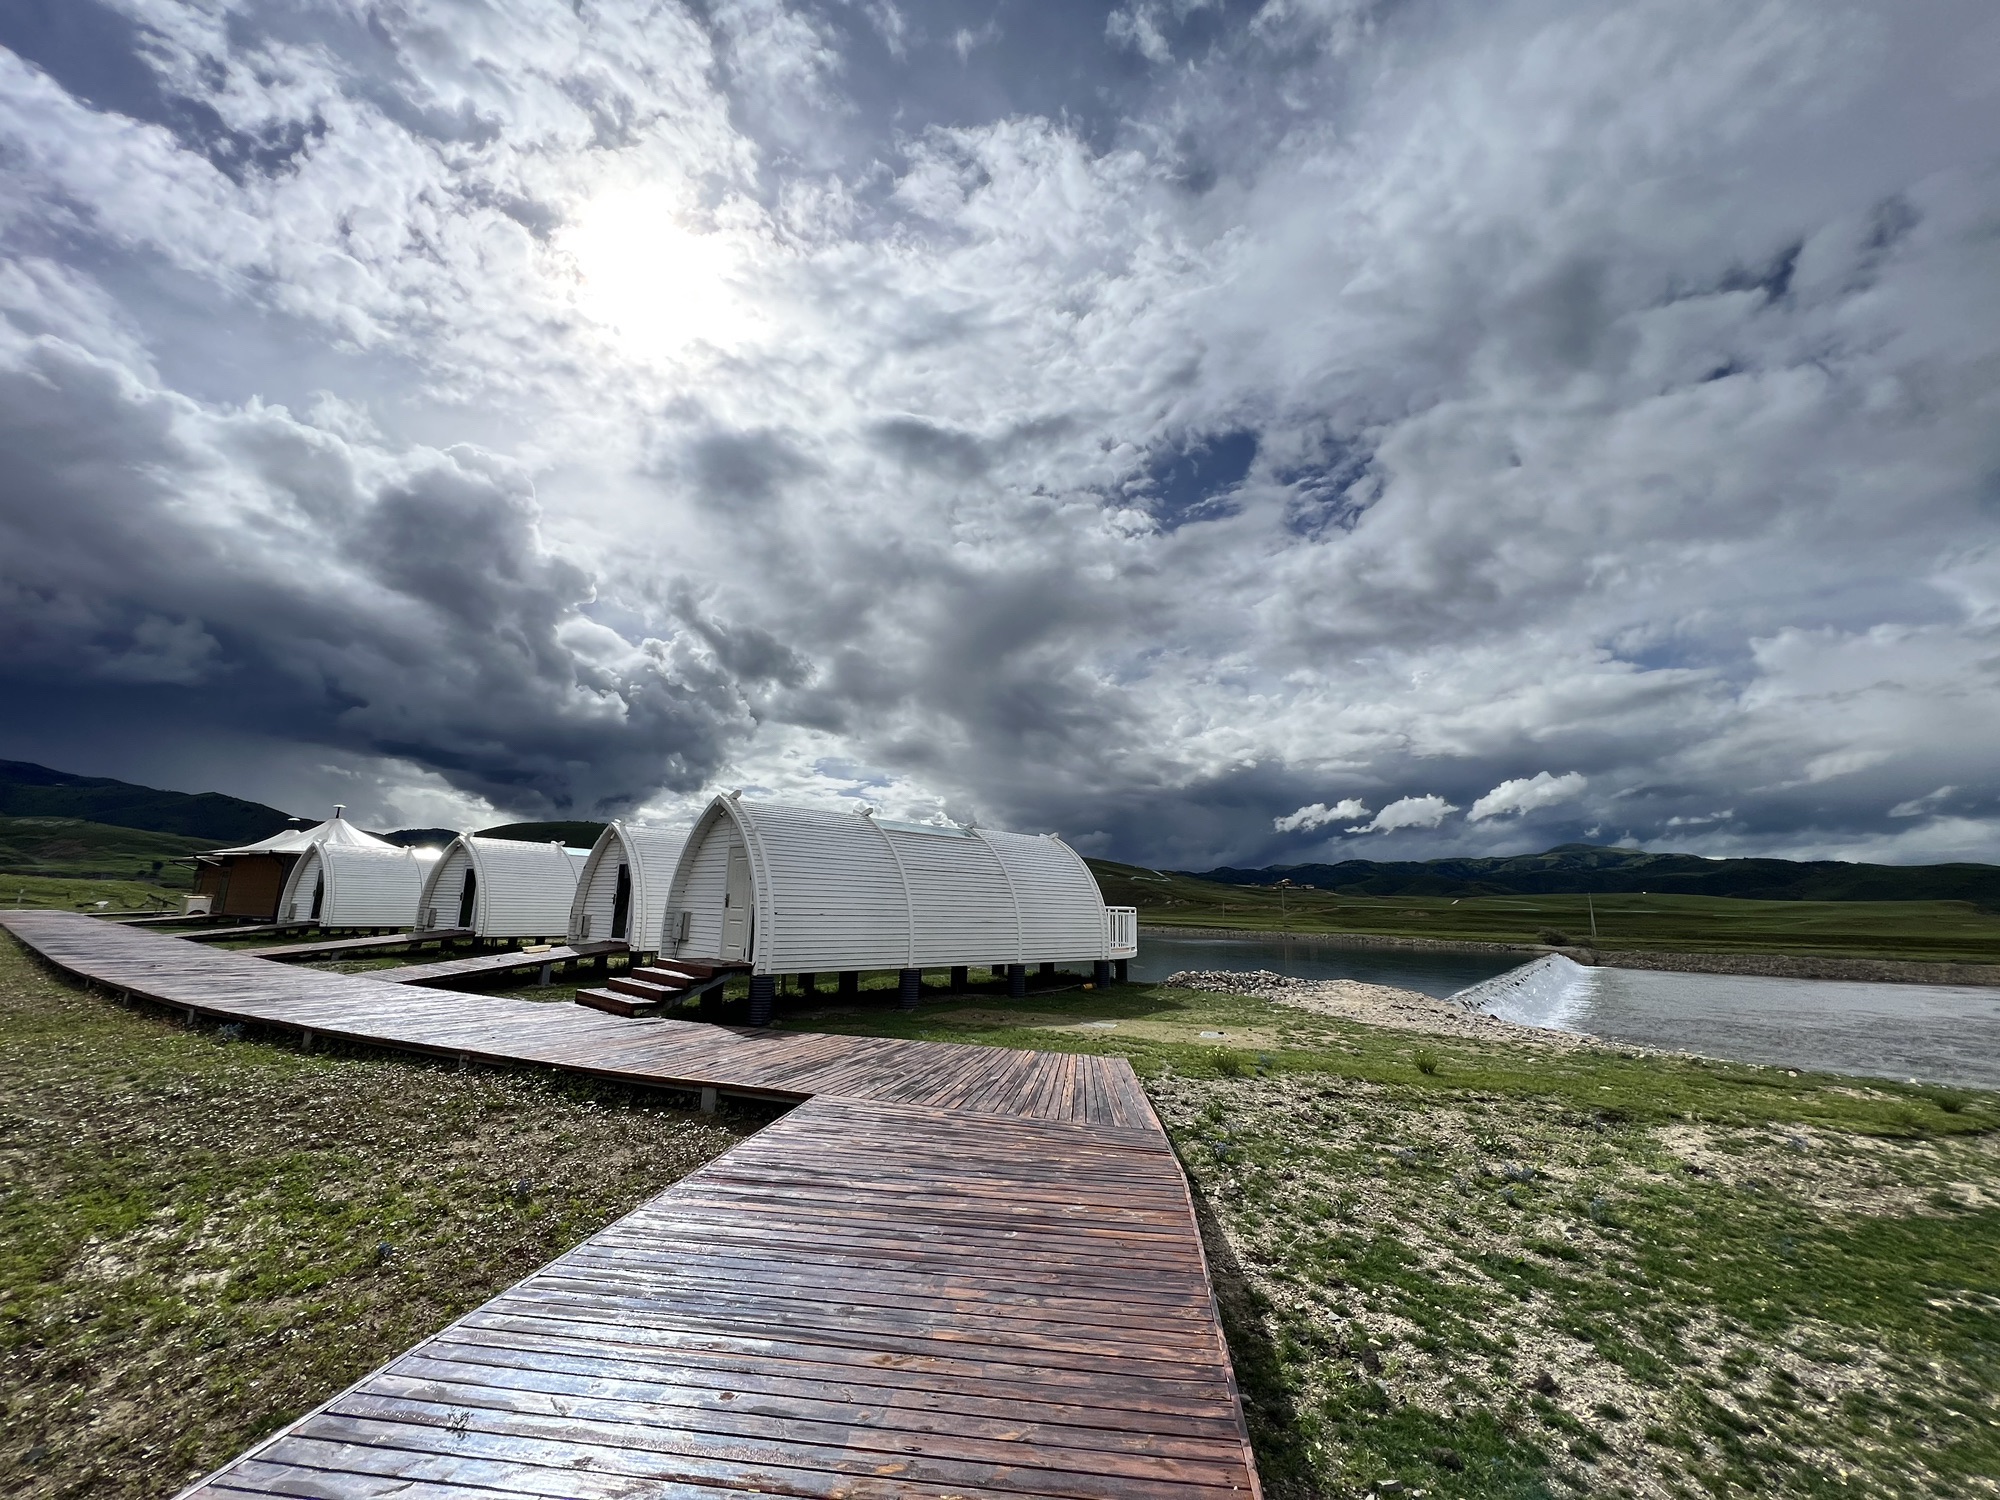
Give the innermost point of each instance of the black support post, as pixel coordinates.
(958, 978)
(1119, 966)
(910, 984)
(1047, 969)
(1100, 971)
(1017, 980)
(763, 998)
(809, 984)
(850, 985)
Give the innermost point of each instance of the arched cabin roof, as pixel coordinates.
(650, 852)
(365, 885)
(523, 889)
(834, 891)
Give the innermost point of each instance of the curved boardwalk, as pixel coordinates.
(950, 1271)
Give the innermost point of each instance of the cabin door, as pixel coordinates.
(319, 895)
(736, 907)
(621, 902)
(467, 897)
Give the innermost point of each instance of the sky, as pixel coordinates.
(1220, 432)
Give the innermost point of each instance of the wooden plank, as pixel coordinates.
(951, 1270)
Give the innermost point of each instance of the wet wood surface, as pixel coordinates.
(382, 942)
(951, 1271)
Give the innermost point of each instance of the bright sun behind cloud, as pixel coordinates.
(659, 283)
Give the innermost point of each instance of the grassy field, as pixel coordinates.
(1504, 1271)
(1935, 930)
(1477, 1269)
(69, 847)
(79, 893)
(201, 1239)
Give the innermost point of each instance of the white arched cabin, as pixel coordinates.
(800, 890)
(623, 890)
(501, 888)
(356, 885)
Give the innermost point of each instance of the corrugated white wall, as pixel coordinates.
(438, 905)
(830, 893)
(525, 890)
(838, 891)
(964, 902)
(1062, 911)
(295, 902)
(364, 887)
(699, 882)
(650, 851)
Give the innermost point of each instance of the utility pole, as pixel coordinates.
(1587, 901)
(1284, 911)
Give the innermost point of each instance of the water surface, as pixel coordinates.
(1933, 1033)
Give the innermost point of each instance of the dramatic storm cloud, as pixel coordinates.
(1188, 426)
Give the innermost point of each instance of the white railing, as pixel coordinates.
(1122, 934)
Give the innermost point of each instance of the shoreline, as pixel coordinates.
(1756, 965)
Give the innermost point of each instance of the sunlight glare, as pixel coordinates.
(661, 285)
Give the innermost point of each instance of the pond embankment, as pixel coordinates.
(1764, 965)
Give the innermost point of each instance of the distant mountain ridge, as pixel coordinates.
(31, 791)
(1575, 869)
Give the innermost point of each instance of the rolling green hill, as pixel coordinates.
(72, 848)
(577, 835)
(1573, 869)
(32, 791)
(1956, 931)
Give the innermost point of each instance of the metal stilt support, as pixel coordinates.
(709, 1100)
(909, 987)
(763, 998)
(1017, 980)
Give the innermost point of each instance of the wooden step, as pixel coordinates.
(671, 975)
(646, 989)
(616, 1004)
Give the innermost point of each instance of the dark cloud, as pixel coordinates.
(1158, 421)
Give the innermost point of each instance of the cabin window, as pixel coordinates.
(319, 895)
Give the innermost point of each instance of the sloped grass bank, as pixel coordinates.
(201, 1239)
(1488, 1270)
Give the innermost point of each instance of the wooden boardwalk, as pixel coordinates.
(450, 971)
(380, 942)
(952, 1271)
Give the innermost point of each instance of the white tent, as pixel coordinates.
(623, 890)
(501, 888)
(335, 830)
(356, 885)
(796, 890)
(248, 881)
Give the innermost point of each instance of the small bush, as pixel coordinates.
(1427, 1061)
(1226, 1063)
(1555, 937)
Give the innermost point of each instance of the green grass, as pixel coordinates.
(202, 1239)
(80, 893)
(1955, 931)
(1735, 1281)
(70, 847)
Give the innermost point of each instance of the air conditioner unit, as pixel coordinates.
(675, 926)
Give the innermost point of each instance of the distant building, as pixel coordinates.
(248, 881)
(338, 885)
(623, 890)
(501, 888)
(797, 890)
